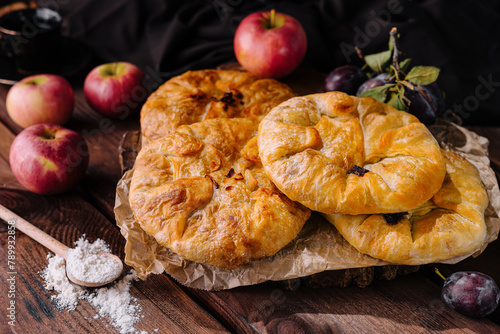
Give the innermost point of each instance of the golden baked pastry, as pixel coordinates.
(198, 95)
(336, 153)
(203, 193)
(449, 225)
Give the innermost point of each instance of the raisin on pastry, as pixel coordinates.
(336, 153)
(450, 224)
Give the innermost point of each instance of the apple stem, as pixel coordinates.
(272, 18)
(48, 135)
(439, 274)
(114, 68)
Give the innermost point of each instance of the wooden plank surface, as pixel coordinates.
(86, 210)
(409, 303)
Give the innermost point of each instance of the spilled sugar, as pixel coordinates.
(113, 302)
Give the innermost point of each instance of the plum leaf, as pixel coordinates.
(396, 102)
(379, 61)
(378, 93)
(423, 75)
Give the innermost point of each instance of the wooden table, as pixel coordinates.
(409, 303)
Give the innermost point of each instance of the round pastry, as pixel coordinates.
(336, 153)
(449, 225)
(203, 193)
(198, 95)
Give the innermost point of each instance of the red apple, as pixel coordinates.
(115, 90)
(270, 44)
(49, 159)
(40, 98)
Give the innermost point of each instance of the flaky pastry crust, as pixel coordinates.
(336, 153)
(449, 225)
(203, 193)
(198, 95)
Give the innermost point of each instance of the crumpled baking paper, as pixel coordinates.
(318, 247)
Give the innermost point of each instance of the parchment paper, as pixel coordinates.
(318, 247)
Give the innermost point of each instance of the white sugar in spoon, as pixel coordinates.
(57, 247)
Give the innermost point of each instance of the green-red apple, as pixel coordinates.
(115, 90)
(40, 98)
(270, 44)
(48, 158)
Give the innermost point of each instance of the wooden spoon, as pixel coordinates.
(54, 245)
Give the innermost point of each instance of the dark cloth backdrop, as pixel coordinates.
(461, 37)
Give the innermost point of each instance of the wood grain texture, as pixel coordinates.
(409, 304)
(7, 179)
(86, 210)
(67, 218)
(405, 305)
(34, 232)
(103, 136)
(6, 142)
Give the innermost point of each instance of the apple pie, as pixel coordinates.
(450, 224)
(198, 95)
(336, 153)
(202, 192)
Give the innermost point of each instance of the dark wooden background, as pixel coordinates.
(409, 303)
